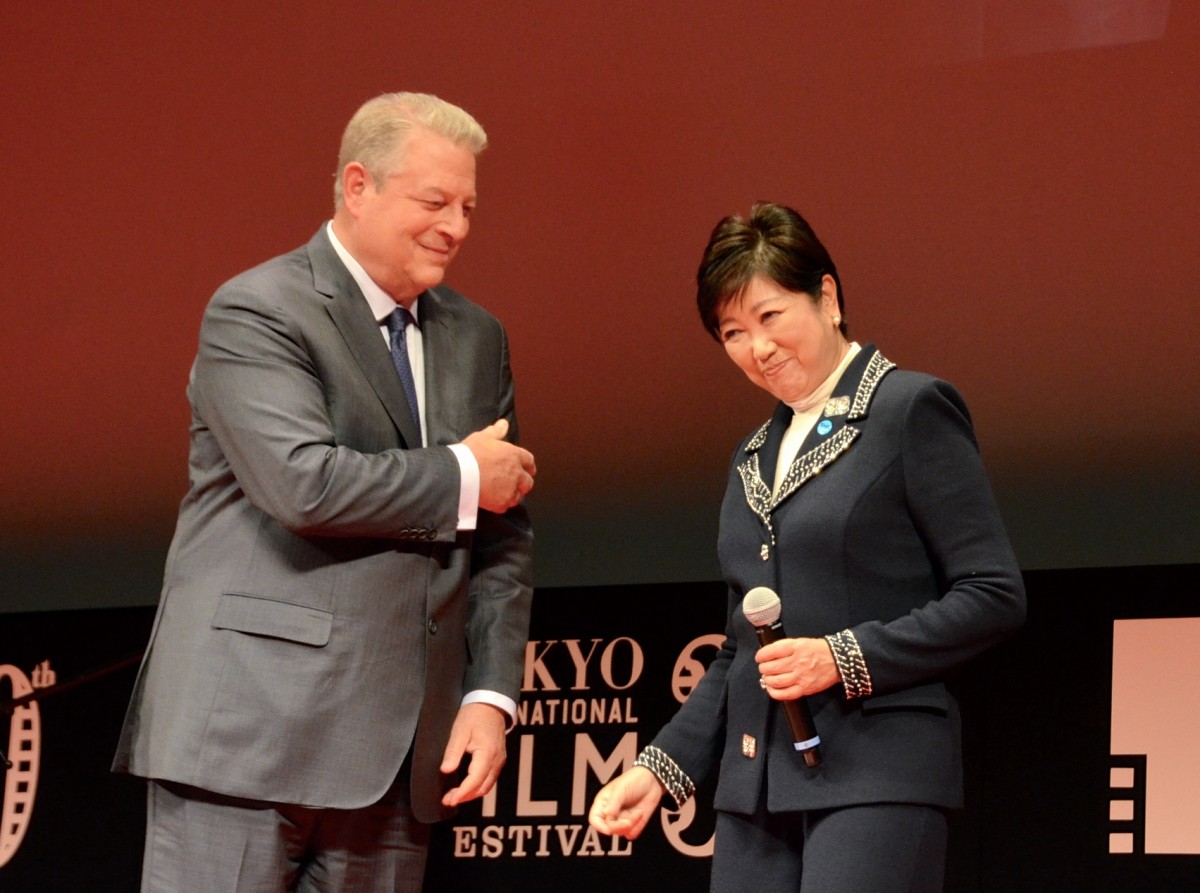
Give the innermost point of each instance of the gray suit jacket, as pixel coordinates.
(321, 615)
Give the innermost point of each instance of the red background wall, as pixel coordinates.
(1009, 189)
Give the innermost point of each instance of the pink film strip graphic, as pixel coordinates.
(1127, 804)
(24, 756)
(1153, 772)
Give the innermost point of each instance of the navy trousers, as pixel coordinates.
(881, 848)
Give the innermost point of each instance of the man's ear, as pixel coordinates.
(355, 182)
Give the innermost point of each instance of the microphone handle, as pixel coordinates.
(804, 732)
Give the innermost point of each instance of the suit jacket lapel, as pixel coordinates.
(351, 314)
(758, 469)
(437, 336)
(849, 402)
(768, 455)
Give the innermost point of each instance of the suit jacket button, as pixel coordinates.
(432, 627)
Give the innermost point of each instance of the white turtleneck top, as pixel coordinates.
(805, 415)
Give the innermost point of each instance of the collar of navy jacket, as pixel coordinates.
(849, 402)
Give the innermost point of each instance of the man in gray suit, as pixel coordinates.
(339, 643)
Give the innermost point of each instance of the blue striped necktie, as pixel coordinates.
(397, 322)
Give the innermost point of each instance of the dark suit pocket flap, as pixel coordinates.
(931, 698)
(268, 617)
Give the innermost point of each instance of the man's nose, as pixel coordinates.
(455, 223)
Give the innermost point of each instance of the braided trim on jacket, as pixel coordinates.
(667, 771)
(851, 664)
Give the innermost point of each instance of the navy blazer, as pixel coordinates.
(884, 526)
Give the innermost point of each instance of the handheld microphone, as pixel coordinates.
(762, 608)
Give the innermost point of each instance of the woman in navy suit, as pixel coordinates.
(864, 505)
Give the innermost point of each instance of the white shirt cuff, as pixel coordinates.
(483, 696)
(468, 494)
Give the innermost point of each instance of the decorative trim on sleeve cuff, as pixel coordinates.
(666, 770)
(850, 663)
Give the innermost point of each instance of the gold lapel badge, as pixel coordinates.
(749, 746)
(837, 406)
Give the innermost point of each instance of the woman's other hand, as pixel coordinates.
(625, 804)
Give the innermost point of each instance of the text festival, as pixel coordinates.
(572, 683)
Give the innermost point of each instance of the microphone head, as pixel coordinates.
(761, 606)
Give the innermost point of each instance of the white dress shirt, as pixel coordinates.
(382, 306)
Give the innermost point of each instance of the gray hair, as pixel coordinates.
(383, 124)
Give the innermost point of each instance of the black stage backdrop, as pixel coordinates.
(605, 668)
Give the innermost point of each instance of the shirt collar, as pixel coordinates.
(380, 301)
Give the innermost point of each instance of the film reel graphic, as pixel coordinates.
(24, 753)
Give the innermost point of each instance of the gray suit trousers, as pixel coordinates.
(200, 842)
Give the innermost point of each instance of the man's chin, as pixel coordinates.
(429, 278)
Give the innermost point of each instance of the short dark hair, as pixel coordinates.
(774, 242)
